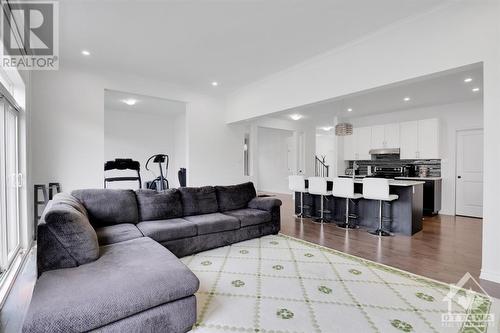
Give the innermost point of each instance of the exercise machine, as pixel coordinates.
(160, 183)
(122, 164)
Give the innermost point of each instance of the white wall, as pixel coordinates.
(179, 148)
(139, 135)
(460, 33)
(452, 117)
(68, 129)
(325, 146)
(273, 160)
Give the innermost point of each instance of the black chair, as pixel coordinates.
(122, 164)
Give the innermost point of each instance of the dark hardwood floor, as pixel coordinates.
(446, 248)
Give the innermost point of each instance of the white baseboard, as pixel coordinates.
(490, 276)
(274, 191)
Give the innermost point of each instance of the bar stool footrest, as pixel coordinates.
(380, 232)
(347, 226)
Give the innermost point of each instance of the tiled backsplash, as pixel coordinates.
(433, 165)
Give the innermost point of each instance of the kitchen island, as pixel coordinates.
(406, 212)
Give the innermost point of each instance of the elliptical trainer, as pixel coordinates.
(159, 183)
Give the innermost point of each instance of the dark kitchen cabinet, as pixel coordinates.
(432, 196)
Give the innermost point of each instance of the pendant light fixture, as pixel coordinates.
(343, 129)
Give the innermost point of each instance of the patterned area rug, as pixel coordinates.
(282, 284)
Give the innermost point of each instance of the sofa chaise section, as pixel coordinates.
(129, 278)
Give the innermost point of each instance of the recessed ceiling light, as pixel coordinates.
(475, 89)
(85, 53)
(326, 128)
(349, 110)
(296, 116)
(407, 99)
(215, 83)
(130, 101)
(467, 80)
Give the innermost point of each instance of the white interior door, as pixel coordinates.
(301, 152)
(291, 143)
(469, 178)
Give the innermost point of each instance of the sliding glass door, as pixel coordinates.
(10, 182)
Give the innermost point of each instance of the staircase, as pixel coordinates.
(320, 168)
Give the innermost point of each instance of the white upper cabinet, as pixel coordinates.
(420, 139)
(378, 136)
(349, 147)
(408, 140)
(363, 142)
(357, 146)
(416, 140)
(428, 139)
(391, 132)
(385, 136)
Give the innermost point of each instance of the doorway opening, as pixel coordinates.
(137, 127)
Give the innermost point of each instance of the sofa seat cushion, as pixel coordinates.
(129, 277)
(117, 233)
(165, 230)
(250, 216)
(215, 222)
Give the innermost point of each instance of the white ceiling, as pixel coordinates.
(436, 89)
(193, 43)
(113, 100)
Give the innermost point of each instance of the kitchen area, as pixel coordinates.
(399, 151)
(407, 155)
(424, 136)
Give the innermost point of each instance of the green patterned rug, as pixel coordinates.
(282, 284)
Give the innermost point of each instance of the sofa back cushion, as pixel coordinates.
(235, 196)
(65, 236)
(198, 200)
(108, 207)
(159, 205)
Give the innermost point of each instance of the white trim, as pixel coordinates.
(264, 191)
(9, 276)
(490, 276)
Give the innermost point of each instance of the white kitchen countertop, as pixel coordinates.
(419, 178)
(396, 182)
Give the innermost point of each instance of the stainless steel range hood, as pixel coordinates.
(384, 151)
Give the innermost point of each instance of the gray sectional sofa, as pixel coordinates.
(108, 259)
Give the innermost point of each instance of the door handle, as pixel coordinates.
(459, 177)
